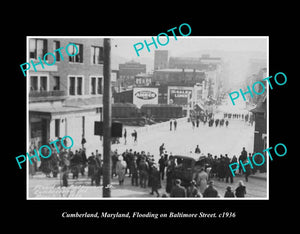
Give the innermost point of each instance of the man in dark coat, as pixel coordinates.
(243, 154)
(155, 180)
(240, 191)
(134, 172)
(98, 169)
(175, 125)
(210, 191)
(228, 173)
(162, 149)
(92, 167)
(162, 165)
(197, 150)
(144, 172)
(170, 174)
(178, 190)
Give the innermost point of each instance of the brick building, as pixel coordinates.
(65, 98)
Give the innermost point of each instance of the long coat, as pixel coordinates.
(155, 182)
(120, 169)
(201, 181)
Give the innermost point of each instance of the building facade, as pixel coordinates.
(161, 59)
(128, 71)
(65, 98)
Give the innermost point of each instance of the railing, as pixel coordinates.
(54, 93)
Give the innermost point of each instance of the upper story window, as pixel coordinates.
(37, 48)
(75, 85)
(56, 45)
(96, 85)
(97, 54)
(78, 58)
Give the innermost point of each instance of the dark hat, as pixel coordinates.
(228, 188)
(211, 182)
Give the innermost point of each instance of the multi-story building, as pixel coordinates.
(143, 79)
(128, 71)
(160, 59)
(174, 76)
(65, 98)
(205, 62)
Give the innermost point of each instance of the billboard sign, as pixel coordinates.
(179, 95)
(143, 96)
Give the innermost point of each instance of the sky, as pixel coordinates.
(237, 51)
(185, 45)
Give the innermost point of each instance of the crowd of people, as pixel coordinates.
(210, 119)
(144, 171)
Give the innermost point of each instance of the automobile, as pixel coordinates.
(187, 167)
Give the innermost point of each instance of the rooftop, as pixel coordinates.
(178, 70)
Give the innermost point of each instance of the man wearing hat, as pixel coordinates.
(192, 190)
(210, 191)
(228, 192)
(178, 190)
(120, 169)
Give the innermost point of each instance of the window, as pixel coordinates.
(37, 48)
(96, 85)
(99, 91)
(33, 83)
(79, 85)
(78, 58)
(39, 83)
(43, 83)
(75, 85)
(93, 85)
(97, 55)
(56, 45)
(72, 86)
(56, 85)
(57, 128)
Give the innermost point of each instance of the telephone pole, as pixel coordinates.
(106, 120)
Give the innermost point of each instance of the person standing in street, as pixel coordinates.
(247, 169)
(125, 136)
(134, 172)
(170, 125)
(210, 191)
(144, 170)
(120, 169)
(162, 149)
(197, 150)
(178, 190)
(192, 190)
(155, 180)
(240, 191)
(98, 168)
(135, 136)
(83, 141)
(92, 167)
(162, 165)
(228, 192)
(201, 180)
(175, 125)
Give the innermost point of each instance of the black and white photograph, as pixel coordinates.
(148, 118)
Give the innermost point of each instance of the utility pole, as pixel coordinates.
(106, 120)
